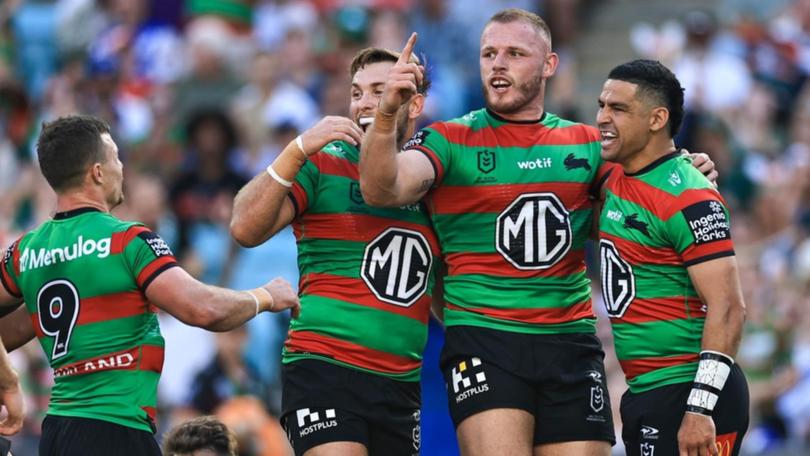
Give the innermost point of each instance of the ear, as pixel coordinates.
(550, 65)
(416, 106)
(659, 117)
(96, 173)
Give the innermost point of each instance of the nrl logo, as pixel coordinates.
(597, 398)
(486, 161)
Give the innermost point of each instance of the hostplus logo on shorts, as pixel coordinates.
(469, 380)
(316, 423)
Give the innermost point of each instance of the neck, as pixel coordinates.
(77, 199)
(650, 153)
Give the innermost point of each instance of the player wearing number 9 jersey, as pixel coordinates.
(91, 284)
(669, 276)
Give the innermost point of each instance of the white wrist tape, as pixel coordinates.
(278, 178)
(300, 143)
(713, 371)
(256, 300)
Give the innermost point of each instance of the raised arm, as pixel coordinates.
(215, 308)
(388, 177)
(261, 207)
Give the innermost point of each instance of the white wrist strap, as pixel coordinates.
(713, 371)
(278, 178)
(256, 300)
(300, 143)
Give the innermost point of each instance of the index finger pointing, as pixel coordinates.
(405, 57)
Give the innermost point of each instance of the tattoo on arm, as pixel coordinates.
(426, 184)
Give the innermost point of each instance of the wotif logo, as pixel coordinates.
(540, 163)
(37, 258)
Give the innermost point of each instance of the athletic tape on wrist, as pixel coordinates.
(300, 143)
(713, 371)
(256, 300)
(272, 172)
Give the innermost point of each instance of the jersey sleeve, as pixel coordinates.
(145, 253)
(305, 186)
(699, 227)
(432, 141)
(10, 269)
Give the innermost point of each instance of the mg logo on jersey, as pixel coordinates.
(647, 449)
(534, 232)
(396, 266)
(618, 281)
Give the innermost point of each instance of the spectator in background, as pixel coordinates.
(226, 375)
(202, 195)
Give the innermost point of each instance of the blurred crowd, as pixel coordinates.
(202, 94)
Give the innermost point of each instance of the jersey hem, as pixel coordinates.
(411, 376)
(129, 424)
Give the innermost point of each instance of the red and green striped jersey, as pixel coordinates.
(366, 273)
(654, 225)
(512, 207)
(83, 275)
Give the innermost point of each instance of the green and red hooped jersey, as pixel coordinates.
(366, 273)
(654, 225)
(512, 208)
(83, 275)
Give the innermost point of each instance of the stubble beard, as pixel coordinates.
(526, 93)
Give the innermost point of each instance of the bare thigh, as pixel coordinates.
(497, 431)
(579, 448)
(338, 449)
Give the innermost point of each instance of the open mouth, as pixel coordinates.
(608, 137)
(500, 85)
(365, 122)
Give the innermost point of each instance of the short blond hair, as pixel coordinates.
(516, 14)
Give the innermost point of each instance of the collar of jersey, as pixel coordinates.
(525, 122)
(74, 212)
(655, 164)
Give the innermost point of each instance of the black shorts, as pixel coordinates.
(558, 378)
(651, 419)
(74, 436)
(323, 402)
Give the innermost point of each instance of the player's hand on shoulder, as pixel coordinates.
(284, 297)
(403, 80)
(12, 400)
(697, 435)
(704, 164)
(330, 129)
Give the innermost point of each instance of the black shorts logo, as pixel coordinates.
(534, 231)
(396, 266)
(159, 247)
(708, 222)
(597, 398)
(311, 421)
(468, 378)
